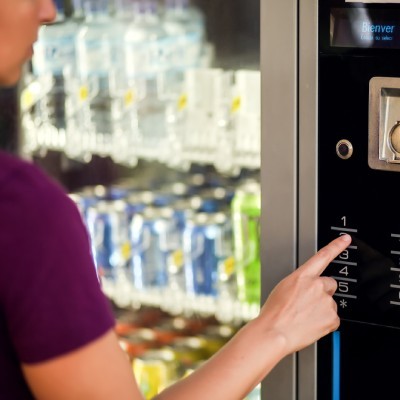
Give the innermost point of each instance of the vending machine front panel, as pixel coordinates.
(359, 156)
(358, 177)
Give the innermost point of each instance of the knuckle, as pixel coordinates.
(319, 284)
(333, 283)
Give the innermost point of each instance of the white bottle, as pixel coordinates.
(186, 26)
(126, 132)
(246, 118)
(54, 58)
(192, 123)
(145, 63)
(78, 14)
(100, 74)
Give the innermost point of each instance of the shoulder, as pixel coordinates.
(46, 265)
(12, 166)
(28, 193)
(19, 175)
(37, 216)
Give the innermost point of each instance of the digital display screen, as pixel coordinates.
(364, 28)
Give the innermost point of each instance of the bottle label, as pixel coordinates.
(53, 55)
(145, 59)
(95, 58)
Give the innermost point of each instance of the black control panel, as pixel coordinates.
(352, 197)
(358, 194)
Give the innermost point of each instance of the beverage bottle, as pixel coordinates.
(126, 131)
(100, 76)
(246, 118)
(246, 209)
(54, 59)
(191, 122)
(78, 15)
(145, 47)
(186, 12)
(185, 26)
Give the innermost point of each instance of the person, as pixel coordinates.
(57, 338)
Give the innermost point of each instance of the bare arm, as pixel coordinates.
(299, 311)
(97, 371)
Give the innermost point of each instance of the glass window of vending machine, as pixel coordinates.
(148, 112)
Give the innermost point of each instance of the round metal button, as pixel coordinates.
(344, 149)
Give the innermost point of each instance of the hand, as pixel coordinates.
(301, 308)
(299, 311)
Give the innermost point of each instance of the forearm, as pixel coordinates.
(235, 370)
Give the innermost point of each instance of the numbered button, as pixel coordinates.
(346, 287)
(395, 299)
(345, 294)
(395, 249)
(343, 271)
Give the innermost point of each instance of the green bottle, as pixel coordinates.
(246, 210)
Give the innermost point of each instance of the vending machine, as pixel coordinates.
(331, 116)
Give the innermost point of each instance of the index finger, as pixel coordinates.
(317, 264)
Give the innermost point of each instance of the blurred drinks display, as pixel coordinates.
(165, 349)
(186, 248)
(134, 79)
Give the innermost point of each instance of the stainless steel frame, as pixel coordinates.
(308, 172)
(288, 166)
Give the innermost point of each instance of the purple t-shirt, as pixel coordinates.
(50, 298)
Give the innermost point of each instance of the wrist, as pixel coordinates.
(263, 348)
(269, 337)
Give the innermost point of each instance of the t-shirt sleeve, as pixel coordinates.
(49, 289)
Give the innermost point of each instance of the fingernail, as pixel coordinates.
(346, 238)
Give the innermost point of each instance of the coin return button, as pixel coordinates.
(344, 149)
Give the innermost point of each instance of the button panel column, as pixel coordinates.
(344, 268)
(395, 269)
